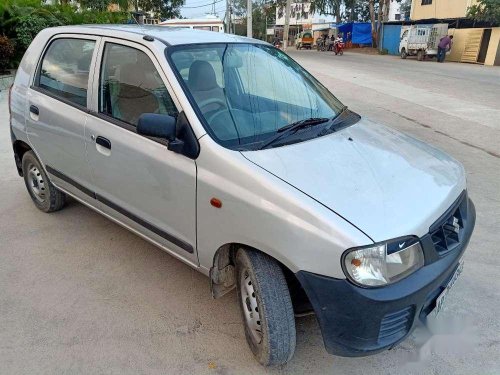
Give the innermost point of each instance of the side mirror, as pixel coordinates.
(159, 126)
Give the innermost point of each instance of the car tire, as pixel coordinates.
(44, 194)
(403, 53)
(266, 307)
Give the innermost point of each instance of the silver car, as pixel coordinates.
(227, 154)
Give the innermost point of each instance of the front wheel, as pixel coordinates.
(403, 53)
(266, 307)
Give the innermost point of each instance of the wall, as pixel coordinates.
(493, 55)
(391, 38)
(460, 38)
(440, 9)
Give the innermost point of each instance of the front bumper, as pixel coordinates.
(358, 321)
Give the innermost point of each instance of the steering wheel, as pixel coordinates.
(207, 102)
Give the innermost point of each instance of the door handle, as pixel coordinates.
(104, 142)
(34, 110)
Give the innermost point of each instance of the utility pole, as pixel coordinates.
(228, 18)
(287, 24)
(249, 18)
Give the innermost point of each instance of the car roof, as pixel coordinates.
(167, 34)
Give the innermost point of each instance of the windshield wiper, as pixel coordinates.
(294, 126)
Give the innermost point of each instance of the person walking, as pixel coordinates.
(444, 45)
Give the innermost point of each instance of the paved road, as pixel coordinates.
(80, 295)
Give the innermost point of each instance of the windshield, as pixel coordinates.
(244, 93)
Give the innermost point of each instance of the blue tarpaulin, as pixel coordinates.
(357, 32)
(362, 33)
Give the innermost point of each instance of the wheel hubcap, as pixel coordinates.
(36, 183)
(250, 307)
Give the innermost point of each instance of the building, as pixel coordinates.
(395, 11)
(301, 18)
(439, 9)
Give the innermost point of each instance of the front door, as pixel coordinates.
(137, 180)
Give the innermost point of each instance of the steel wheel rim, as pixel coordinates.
(36, 183)
(250, 306)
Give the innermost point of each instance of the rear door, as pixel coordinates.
(58, 101)
(137, 179)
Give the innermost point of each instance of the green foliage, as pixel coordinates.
(99, 5)
(21, 20)
(486, 11)
(29, 26)
(162, 8)
(6, 53)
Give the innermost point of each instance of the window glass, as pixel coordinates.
(245, 92)
(65, 69)
(207, 28)
(215, 28)
(130, 85)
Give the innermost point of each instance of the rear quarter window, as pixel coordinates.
(64, 70)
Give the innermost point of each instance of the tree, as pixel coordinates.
(99, 5)
(328, 8)
(356, 11)
(162, 8)
(405, 9)
(485, 11)
(371, 7)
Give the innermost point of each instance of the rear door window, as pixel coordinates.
(130, 85)
(65, 67)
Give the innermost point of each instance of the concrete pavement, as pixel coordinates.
(81, 295)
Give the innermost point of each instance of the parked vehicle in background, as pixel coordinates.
(304, 40)
(227, 154)
(209, 23)
(421, 40)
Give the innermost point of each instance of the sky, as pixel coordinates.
(203, 7)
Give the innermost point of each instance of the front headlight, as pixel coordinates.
(383, 263)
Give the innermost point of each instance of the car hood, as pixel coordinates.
(385, 183)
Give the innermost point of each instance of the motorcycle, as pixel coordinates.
(338, 47)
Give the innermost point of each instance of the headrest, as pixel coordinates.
(140, 74)
(202, 76)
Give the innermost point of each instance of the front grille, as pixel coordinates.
(395, 325)
(447, 232)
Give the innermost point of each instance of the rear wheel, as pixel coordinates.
(45, 196)
(420, 55)
(266, 307)
(403, 53)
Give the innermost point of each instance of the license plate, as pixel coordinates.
(440, 301)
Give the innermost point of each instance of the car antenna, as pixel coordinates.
(146, 37)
